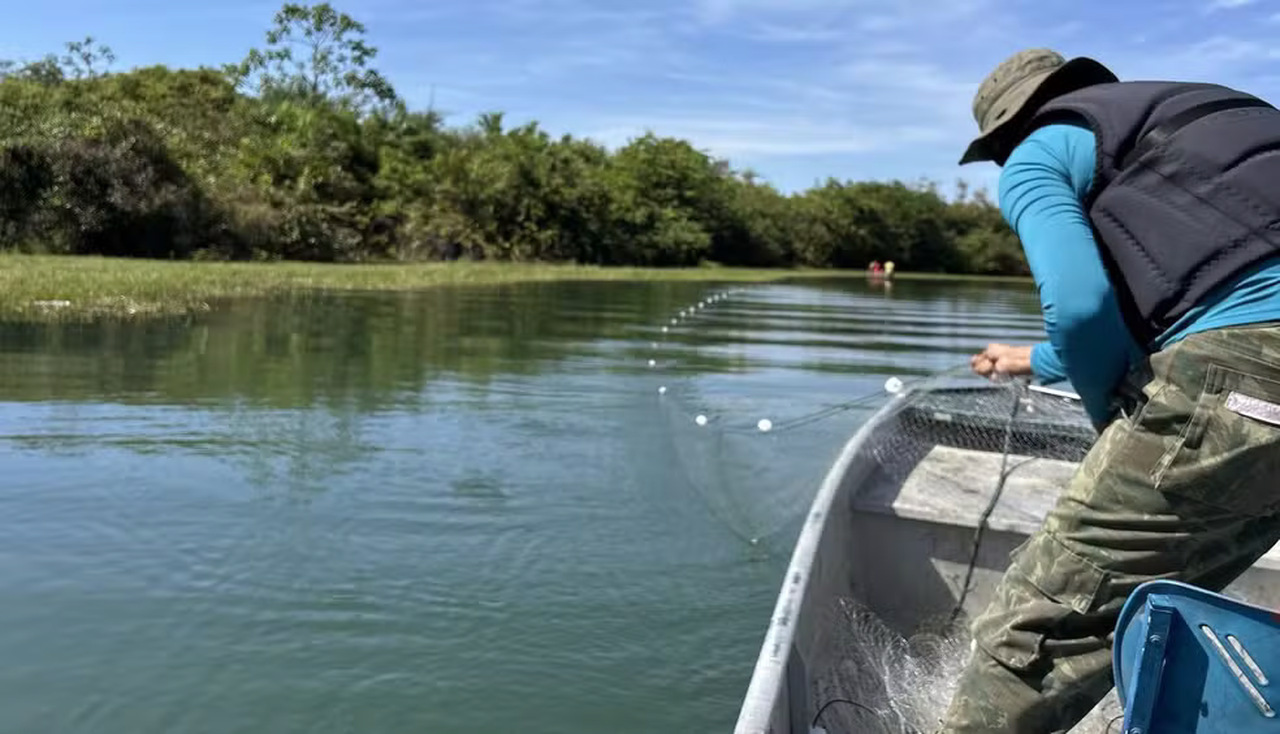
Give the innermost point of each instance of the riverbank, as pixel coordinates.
(67, 287)
(54, 287)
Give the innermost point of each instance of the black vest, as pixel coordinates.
(1186, 190)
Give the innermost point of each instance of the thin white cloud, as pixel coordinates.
(730, 137)
(855, 88)
(718, 11)
(881, 23)
(864, 14)
(916, 77)
(1227, 49)
(894, 88)
(1220, 59)
(1216, 5)
(780, 33)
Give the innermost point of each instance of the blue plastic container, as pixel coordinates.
(1189, 660)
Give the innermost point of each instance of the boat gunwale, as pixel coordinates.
(770, 695)
(768, 679)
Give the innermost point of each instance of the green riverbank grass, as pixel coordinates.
(62, 287)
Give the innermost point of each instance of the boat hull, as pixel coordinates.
(891, 528)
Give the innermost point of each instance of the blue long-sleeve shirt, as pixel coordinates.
(1042, 189)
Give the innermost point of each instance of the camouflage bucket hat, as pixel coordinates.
(1022, 82)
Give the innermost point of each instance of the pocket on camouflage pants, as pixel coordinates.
(1045, 584)
(1213, 435)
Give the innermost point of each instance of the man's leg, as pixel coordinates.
(1188, 489)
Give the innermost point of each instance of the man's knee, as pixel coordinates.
(1048, 592)
(987, 696)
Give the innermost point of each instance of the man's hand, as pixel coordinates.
(1002, 359)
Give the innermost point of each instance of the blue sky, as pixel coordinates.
(797, 90)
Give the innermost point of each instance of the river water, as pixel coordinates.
(463, 510)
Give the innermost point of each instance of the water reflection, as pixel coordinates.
(454, 510)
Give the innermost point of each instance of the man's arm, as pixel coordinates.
(1040, 360)
(1046, 365)
(1041, 189)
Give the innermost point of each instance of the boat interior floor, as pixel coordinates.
(913, 537)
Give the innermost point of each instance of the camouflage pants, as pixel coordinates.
(1186, 486)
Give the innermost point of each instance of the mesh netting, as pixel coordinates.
(989, 418)
(756, 483)
(759, 477)
(874, 677)
(883, 681)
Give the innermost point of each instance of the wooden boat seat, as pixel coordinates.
(953, 486)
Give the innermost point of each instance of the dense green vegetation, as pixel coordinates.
(304, 151)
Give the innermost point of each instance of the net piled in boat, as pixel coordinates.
(902, 680)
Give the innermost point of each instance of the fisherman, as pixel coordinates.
(1149, 213)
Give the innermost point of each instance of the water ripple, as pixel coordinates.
(462, 510)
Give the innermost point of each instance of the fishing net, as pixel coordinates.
(881, 680)
(750, 442)
(756, 461)
(756, 477)
(1009, 419)
(871, 676)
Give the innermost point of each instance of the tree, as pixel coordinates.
(47, 71)
(316, 53)
(323, 162)
(85, 61)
